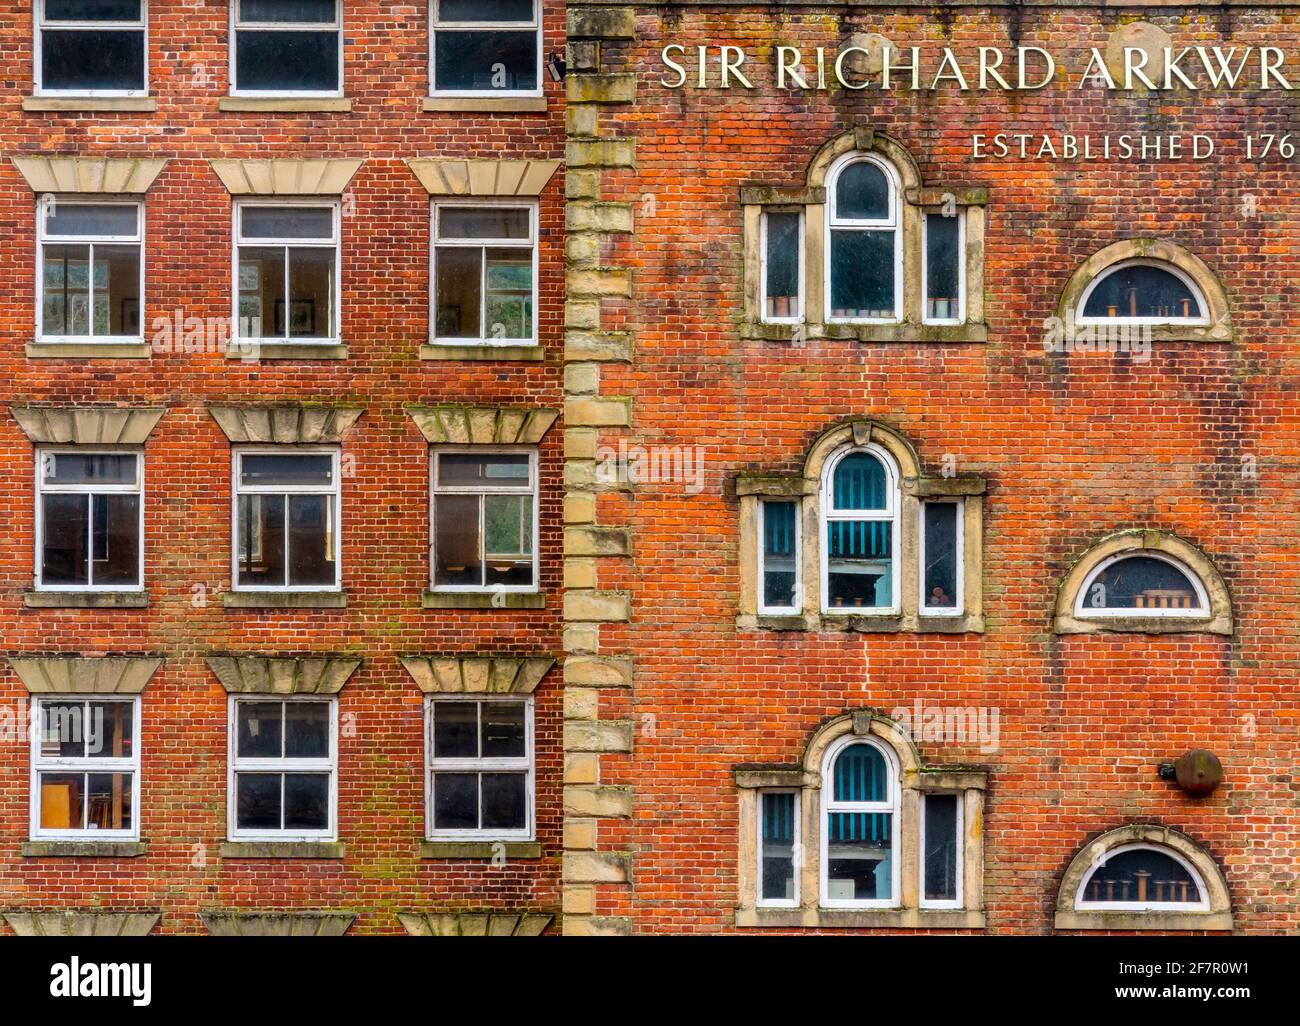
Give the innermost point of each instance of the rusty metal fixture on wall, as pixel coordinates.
(1197, 772)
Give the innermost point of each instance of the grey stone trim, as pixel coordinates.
(78, 923)
(938, 195)
(123, 175)
(592, 671)
(233, 923)
(484, 354)
(480, 849)
(938, 487)
(774, 486)
(475, 924)
(84, 849)
(482, 425)
(85, 675)
(485, 104)
(283, 850)
(750, 777)
(284, 599)
(483, 600)
(90, 104)
(283, 675)
(453, 177)
(780, 196)
(286, 105)
(496, 674)
(594, 23)
(85, 599)
(286, 177)
(287, 423)
(255, 352)
(88, 425)
(88, 350)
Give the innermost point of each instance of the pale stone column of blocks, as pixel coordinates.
(591, 418)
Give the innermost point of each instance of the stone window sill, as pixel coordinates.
(84, 849)
(89, 350)
(1142, 625)
(968, 623)
(1164, 921)
(483, 600)
(90, 104)
(906, 332)
(864, 918)
(284, 599)
(286, 104)
(282, 849)
(482, 352)
(85, 599)
(252, 352)
(485, 104)
(480, 849)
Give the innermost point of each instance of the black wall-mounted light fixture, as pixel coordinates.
(555, 65)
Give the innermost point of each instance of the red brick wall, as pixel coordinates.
(1073, 447)
(187, 472)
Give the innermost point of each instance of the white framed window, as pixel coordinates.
(286, 271)
(1142, 292)
(90, 285)
(781, 245)
(91, 48)
(780, 552)
(942, 557)
(780, 848)
(283, 768)
(85, 768)
(1146, 583)
(942, 854)
(89, 519)
(485, 47)
(1142, 878)
(859, 513)
(864, 242)
(484, 274)
(943, 267)
(479, 767)
(286, 47)
(286, 519)
(859, 857)
(483, 520)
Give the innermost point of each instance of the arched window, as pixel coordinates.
(860, 551)
(1141, 878)
(864, 241)
(1145, 584)
(1143, 292)
(860, 826)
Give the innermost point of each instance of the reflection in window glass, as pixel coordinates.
(86, 762)
(287, 291)
(939, 577)
(1141, 583)
(942, 848)
(287, 538)
(1142, 290)
(486, 48)
(484, 507)
(91, 46)
(781, 264)
(480, 767)
(89, 520)
(484, 293)
(942, 268)
(287, 47)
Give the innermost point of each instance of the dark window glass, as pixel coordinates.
(306, 730)
(64, 730)
(461, 469)
(291, 11)
(110, 730)
(258, 222)
(72, 468)
(260, 726)
(262, 308)
(503, 730)
(455, 801)
(261, 539)
(505, 801)
(65, 548)
(485, 61)
(862, 274)
(96, 59)
(941, 847)
(257, 801)
(311, 295)
(1142, 291)
(306, 801)
(485, 10)
(272, 470)
(72, 307)
(458, 553)
(780, 524)
(862, 193)
(93, 219)
(455, 730)
(459, 288)
(484, 223)
(1141, 875)
(92, 10)
(778, 868)
(108, 801)
(939, 585)
(942, 261)
(1141, 582)
(115, 539)
(781, 290)
(287, 62)
(311, 540)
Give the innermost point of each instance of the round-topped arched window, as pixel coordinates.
(860, 536)
(1143, 292)
(864, 241)
(860, 825)
(1141, 878)
(1142, 584)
